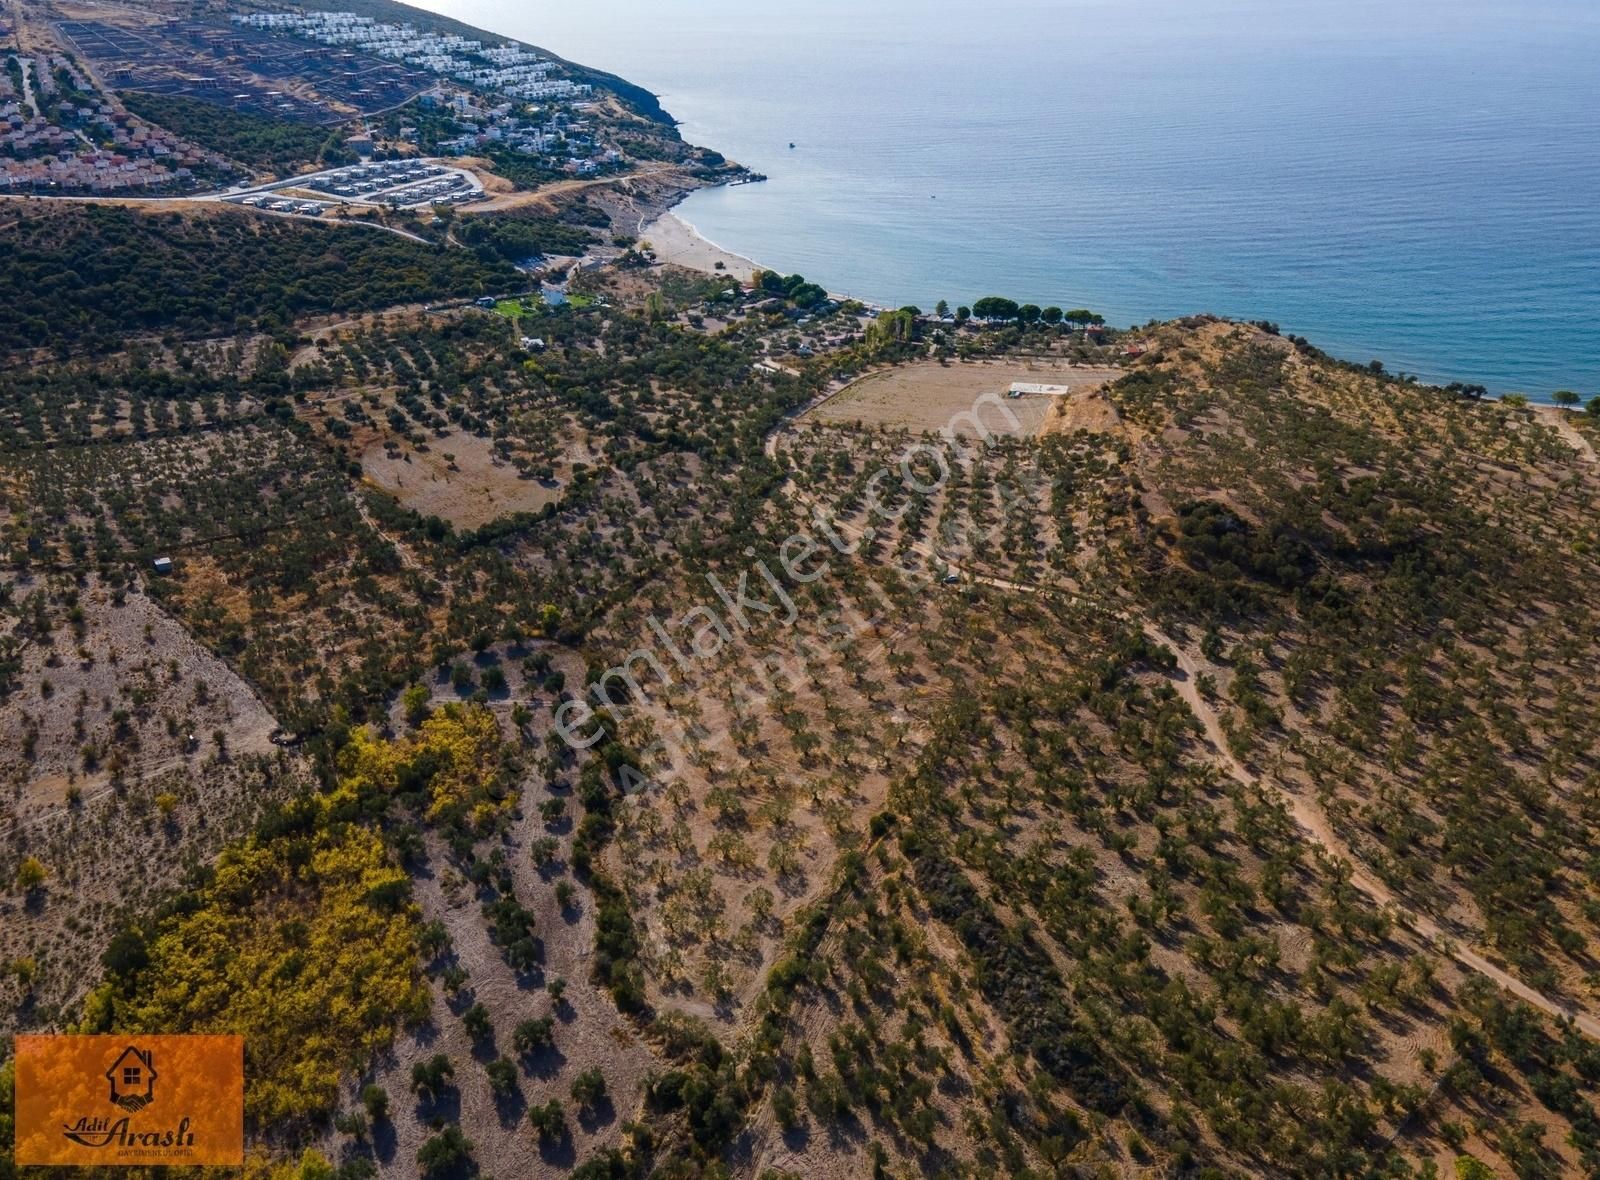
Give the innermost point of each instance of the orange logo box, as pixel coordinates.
(130, 1099)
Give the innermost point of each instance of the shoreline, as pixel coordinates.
(679, 243)
(676, 241)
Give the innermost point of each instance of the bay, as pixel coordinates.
(1415, 181)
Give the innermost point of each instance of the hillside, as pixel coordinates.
(96, 274)
(655, 752)
(637, 97)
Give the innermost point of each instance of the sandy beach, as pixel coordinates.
(678, 242)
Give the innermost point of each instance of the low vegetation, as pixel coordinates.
(256, 140)
(95, 274)
(1084, 805)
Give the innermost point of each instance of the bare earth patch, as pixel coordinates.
(458, 478)
(931, 396)
(1083, 409)
(127, 750)
(129, 696)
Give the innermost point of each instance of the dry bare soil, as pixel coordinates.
(458, 478)
(933, 395)
(126, 749)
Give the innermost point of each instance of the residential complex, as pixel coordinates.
(58, 134)
(507, 68)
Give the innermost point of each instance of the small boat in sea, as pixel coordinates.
(791, 145)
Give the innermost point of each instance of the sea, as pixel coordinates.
(1413, 181)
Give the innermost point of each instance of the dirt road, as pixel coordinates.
(1307, 815)
(1315, 825)
(545, 194)
(407, 558)
(1561, 422)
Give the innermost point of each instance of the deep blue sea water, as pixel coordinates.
(1411, 180)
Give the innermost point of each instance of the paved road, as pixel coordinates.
(232, 196)
(27, 83)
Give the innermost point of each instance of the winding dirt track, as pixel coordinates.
(1312, 822)
(407, 558)
(545, 195)
(1315, 824)
(1558, 419)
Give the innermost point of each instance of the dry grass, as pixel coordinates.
(458, 478)
(126, 750)
(933, 395)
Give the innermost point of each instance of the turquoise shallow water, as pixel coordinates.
(1417, 181)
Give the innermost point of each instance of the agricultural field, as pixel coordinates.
(594, 765)
(115, 690)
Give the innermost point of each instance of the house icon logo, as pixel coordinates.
(133, 1079)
